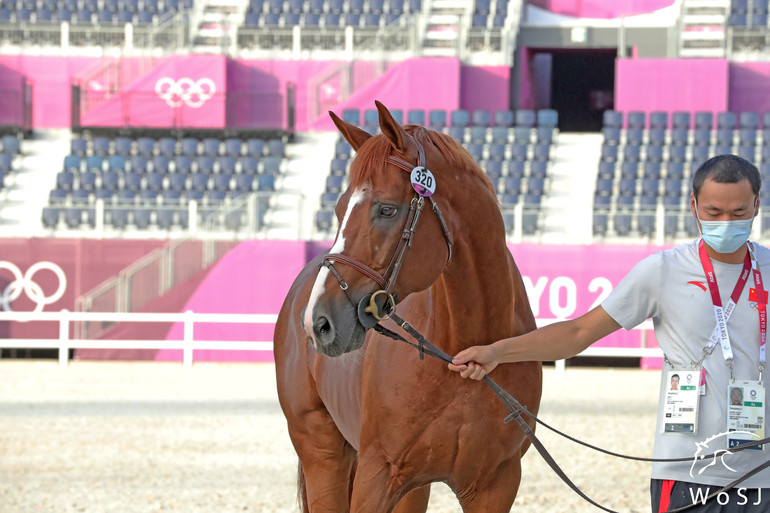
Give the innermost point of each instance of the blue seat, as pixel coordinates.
(65, 180)
(271, 165)
(154, 181)
(702, 137)
(747, 136)
(227, 165)
(51, 216)
(547, 118)
(654, 153)
(118, 218)
(324, 220)
(138, 164)
(171, 197)
(749, 119)
(83, 16)
(604, 186)
(535, 186)
(177, 181)
(437, 119)
(255, 147)
(476, 151)
(494, 169)
(266, 182)
(116, 163)
(233, 147)
(122, 146)
(352, 19)
(541, 152)
(189, 147)
(142, 218)
(221, 182)
(244, 182)
(679, 136)
(672, 187)
(606, 170)
(148, 196)
(71, 163)
(635, 136)
(632, 153)
(338, 167)
(183, 164)
(331, 19)
(627, 187)
(629, 170)
(726, 120)
(87, 180)
(199, 181)
(512, 185)
(167, 146)
(677, 153)
(95, 163)
(725, 136)
(636, 119)
(165, 218)
(656, 136)
(160, 164)
(501, 134)
(57, 196)
(680, 119)
(457, 133)
(460, 118)
(126, 197)
(104, 17)
(249, 165)
(704, 119)
(145, 146)
(481, 118)
(612, 119)
(144, 18)
(478, 134)
(415, 117)
(79, 146)
(650, 186)
(675, 170)
(211, 147)
(111, 180)
(290, 19)
(748, 153)
(497, 152)
(133, 181)
(61, 15)
(205, 164)
(11, 145)
(659, 119)
(371, 20)
(609, 153)
(525, 118)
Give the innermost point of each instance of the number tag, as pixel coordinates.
(423, 181)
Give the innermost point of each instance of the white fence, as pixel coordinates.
(188, 344)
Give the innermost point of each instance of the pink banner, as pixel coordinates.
(671, 84)
(749, 83)
(601, 8)
(182, 91)
(413, 84)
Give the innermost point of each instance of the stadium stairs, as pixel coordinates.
(27, 194)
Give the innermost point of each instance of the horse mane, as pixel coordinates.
(370, 158)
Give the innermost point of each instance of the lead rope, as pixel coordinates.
(516, 410)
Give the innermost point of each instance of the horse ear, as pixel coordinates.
(390, 127)
(354, 135)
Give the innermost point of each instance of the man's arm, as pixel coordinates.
(553, 342)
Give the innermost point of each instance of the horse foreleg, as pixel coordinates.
(415, 501)
(326, 460)
(493, 495)
(379, 488)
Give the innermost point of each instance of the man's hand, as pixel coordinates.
(475, 362)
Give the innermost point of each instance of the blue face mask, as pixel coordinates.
(725, 236)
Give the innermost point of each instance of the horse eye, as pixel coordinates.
(388, 211)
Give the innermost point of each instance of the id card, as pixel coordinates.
(745, 413)
(680, 403)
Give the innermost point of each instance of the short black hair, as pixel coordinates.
(727, 169)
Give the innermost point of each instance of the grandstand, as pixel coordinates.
(161, 122)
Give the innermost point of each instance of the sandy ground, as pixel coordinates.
(152, 437)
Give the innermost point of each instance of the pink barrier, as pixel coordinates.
(672, 84)
(601, 8)
(182, 91)
(749, 83)
(562, 282)
(422, 83)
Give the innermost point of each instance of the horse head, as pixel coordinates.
(394, 236)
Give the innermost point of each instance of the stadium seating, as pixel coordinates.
(514, 148)
(148, 183)
(646, 166)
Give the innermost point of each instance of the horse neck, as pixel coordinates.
(483, 278)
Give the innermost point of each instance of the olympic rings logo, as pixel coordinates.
(25, 283)
(185, 91)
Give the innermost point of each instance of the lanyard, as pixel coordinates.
(722, 315)
(761, 307)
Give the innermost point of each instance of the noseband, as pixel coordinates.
(387, 280)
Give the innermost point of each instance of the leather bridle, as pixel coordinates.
(387, 279)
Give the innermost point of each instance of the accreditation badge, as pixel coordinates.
(745, 413)
(681, 398)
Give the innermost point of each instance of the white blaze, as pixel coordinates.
(323, 273)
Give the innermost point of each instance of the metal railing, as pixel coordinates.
(116, 108)
(167, 35)
(188, 344)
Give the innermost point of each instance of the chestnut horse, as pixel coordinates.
(373, 424)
